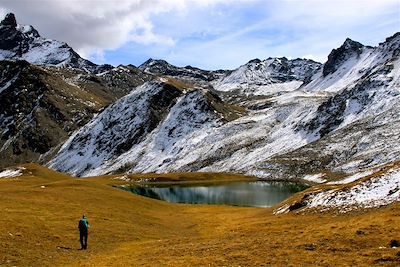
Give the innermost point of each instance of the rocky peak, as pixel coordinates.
(352, 45)
(186, 74)
(10, 37)
(9, 20)
(153, 62)
(348, 49)
(23, 42)
(158, 67)
(255, 61)
(16, 38)
(392, 45)
(394, 38)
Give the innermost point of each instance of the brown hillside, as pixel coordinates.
(41, 209)
(41, 107)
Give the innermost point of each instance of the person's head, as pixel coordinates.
(83, 216)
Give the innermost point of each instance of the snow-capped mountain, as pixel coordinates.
(23, 42)
(308, 120)
(186, 74)
(275, 118)
(40, 107)
(255, 78)
(47, 91)
(153, 117)
(267, 77)
(358, 123)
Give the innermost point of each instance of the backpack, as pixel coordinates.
(83, 225)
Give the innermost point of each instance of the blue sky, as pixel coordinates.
(209, 34)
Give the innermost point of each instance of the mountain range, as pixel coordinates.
(278, 118)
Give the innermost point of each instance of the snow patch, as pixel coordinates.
(315, 178)
(267, 77)
(375, 192)
(123, 178)
(10, 173)
(9, 83)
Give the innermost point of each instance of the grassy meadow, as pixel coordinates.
(40, 212)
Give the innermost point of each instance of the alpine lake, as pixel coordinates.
(240, 193)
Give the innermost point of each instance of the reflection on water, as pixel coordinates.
(254, 194)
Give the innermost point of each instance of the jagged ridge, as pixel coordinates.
(23, 42)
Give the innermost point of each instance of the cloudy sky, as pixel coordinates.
(209, 34)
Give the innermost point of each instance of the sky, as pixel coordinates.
(209, 34)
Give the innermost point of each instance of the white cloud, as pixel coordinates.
(93, 25)
(295, 28)
(209, 33)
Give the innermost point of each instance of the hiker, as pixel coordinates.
(83, 227)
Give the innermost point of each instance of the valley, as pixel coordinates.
(72, 133)
(42, 209)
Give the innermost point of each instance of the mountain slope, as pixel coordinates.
(157, 114)
(186, 74)
(198, 134)
(38, 110)
(352, 62)
(298, 133)
(44, 100)
(267, 77)
(370, 190)
(42, 106)
(358, 124)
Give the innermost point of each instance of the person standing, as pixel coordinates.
(83, 227)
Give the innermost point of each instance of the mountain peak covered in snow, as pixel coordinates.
(267, 77)
(187, 74)
(337, 56)
(14, 37)
(23, 42)
(150, 121)
(275, 118)
(9, 27)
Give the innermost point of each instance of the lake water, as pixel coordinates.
(251, 194)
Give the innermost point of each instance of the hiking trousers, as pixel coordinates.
(83, 237)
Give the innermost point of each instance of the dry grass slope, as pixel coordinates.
(40, 212)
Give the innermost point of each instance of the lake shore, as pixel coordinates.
(41, 210)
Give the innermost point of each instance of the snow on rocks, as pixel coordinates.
(270, 76)
(11, 173)
(123, 178)
(315, 178)
(345, 115)
(360, 62)
(372, 191)
(347, 73)
(192, 137)
(115, 130)
(375, 192)
(23, 42)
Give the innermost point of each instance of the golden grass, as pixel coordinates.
(39, 228)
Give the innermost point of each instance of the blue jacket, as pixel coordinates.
(83, 225)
